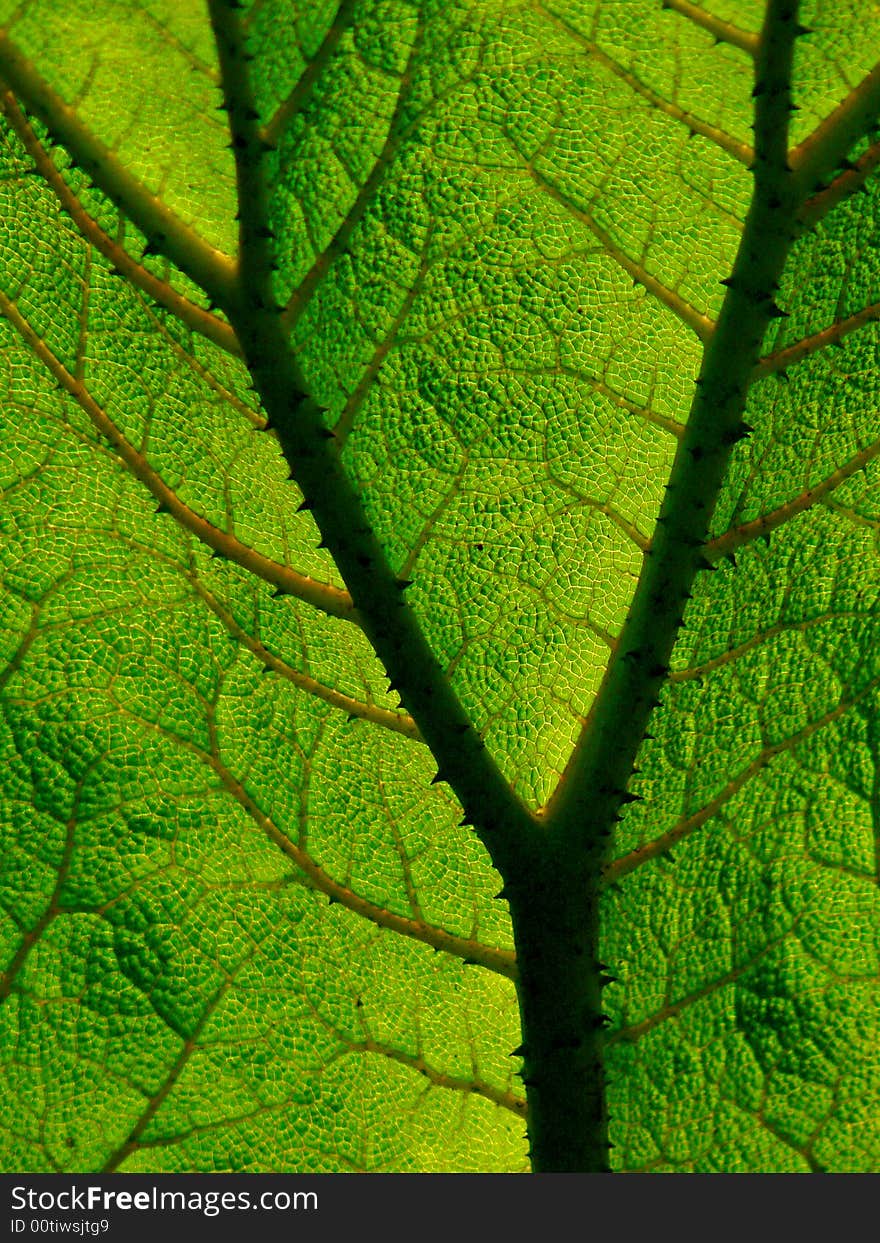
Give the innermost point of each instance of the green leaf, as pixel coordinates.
(439, 465)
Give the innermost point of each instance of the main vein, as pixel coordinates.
(593, 786)
(391, 625)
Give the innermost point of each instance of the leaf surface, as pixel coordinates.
(500, 232)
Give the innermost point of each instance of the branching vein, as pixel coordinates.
(721, 31)
(306, 288)
(202, 263)
(323, 596)
(438, 1078)
(747, 532)
(781, 360)
(399, 722)
(740, 150)
(699, 323)
(194, 316)
(274, 129)
(502, 962)
(687, 825)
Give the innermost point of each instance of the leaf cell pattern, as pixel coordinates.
(241, 928)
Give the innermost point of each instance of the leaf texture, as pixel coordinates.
(242, 928)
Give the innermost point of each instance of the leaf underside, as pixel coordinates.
(241, 929)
